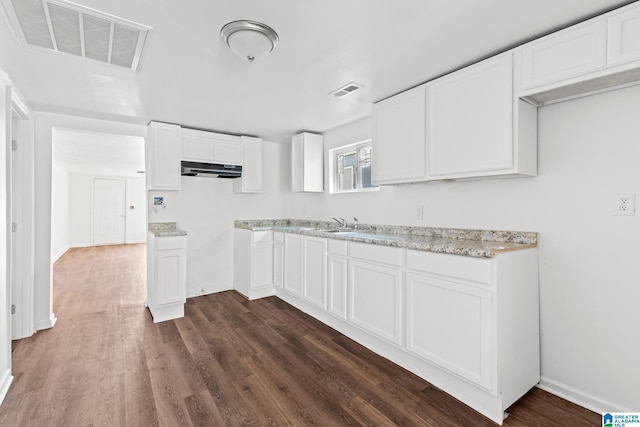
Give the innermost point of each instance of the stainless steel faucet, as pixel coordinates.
(341, 221)
(355, 224)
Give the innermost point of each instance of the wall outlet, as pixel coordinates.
(624, 204)
(419, 212)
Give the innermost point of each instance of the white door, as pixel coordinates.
(109, 211)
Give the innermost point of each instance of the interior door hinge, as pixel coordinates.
(13, 309)
(14, 227)
(14, 145)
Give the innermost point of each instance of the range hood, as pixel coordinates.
(211, 170)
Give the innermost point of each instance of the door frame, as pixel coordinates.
(93, 195)
(20, 262)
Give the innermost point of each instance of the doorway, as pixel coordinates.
(109, 199)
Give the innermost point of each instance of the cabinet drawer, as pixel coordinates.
(170, 242)
(338, 247)
(376, 253)
(261, 236)
(461, 267)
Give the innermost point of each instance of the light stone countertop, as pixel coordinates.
(466, 242)
(165, 229)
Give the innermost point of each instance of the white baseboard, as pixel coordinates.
(578, 397)
(47, 324)
(5, 383)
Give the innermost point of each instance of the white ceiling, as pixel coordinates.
(97, 154)
(189, 76)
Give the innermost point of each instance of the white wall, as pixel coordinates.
(44, 124)
(5, 320)
(80, 210)
(589, 150)
(60, 210)
(207, 207)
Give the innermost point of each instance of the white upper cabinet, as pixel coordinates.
(307, 163)
(211, 147)
(163, 156)
(568, 53)
(251, 181)
(472, 116)
(624, 36)
(399, 132)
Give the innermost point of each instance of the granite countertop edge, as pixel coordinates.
(465, 242)
(165, 229)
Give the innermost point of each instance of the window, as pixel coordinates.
(351, 168)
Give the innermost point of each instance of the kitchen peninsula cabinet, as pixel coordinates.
(307, 163)
(163, 156)
(253, 263)
(399, 138)
(477, 126)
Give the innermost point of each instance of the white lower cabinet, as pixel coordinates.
(293, 263)
(253, 263)
(450, 324)
(278, 259)
(470, 326)
(166, 277)
(315, 268)
(375, 299)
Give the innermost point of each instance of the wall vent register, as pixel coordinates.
(69, 28)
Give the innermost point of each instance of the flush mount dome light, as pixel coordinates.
(249, 40)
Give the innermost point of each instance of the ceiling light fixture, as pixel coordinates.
(249, 40)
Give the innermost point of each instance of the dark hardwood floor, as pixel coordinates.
(228, 362)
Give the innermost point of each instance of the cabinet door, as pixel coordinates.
(278, 265)
(251, 181)
(297, 162)
(449, 324)
(568, 53)
(470, 120)
(171, 277)
(293, 263)
(337, 285)
(375, 298)
(399, 132)
(197, 149)
(315, 268)
(163, 156)
(261, 265)
(226, 152)
(624, 36)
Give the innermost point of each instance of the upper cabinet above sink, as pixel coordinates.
(464, 125)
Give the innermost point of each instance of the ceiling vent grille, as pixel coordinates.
(345, 90)
(76, 30)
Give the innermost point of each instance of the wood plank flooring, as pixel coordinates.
(228, 362)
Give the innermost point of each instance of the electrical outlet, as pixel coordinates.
(419, 212)
(624, 204)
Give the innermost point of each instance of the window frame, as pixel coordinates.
(334, 178)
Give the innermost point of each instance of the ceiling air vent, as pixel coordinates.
(345, 90)
(77, 30)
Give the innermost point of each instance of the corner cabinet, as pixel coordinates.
(163, 156)
(399, 138)
(166, 276)
(251, 180)
(307, 163)
(477, 126)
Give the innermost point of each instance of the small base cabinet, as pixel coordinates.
(166, 276)
(253, 263)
